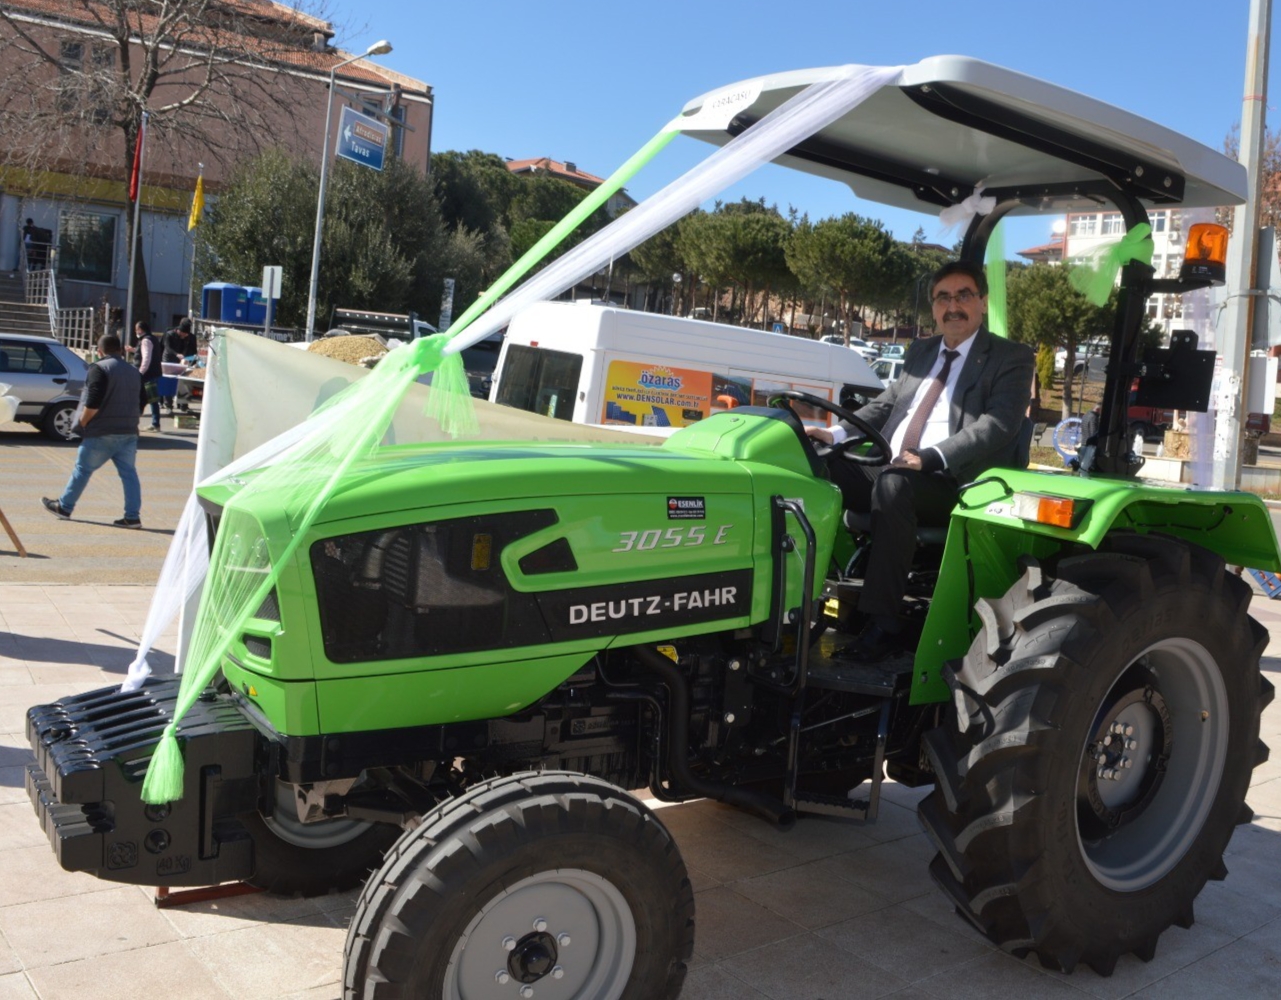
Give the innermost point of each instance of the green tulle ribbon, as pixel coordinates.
(308, 480)
(1095, 280)
(997, 315)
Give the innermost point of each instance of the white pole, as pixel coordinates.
(1242, 251)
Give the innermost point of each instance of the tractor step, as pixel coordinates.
(829, 672)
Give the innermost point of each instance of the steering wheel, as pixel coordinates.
(880, 453)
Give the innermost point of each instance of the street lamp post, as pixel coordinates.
(377, 49)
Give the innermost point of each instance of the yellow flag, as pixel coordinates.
(197, 204)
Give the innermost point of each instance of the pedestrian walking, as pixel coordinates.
(109, 432)
(149, 365)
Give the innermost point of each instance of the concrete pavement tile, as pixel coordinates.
(893, 823)
(904, 796)
(898, 870)
(8, 958)
(997, 975)
(332, 992)
(891, 939)
(938, 909)
(70, 674)
(1253, 840)
(164, 970)
(1235, 907)
(1268, 936)
(1175, 950)
(699, 880)
(20, 593)
(711, 982)
(16, 987)
(32, 874)
(54, 931)
(728, 924)
(14, 670)
(1231, 973)
(19, 828)
(270, 960)
(810, 968)
(811, 838)
(722, 851)
(811, 895)
(13, 786)
(218, 916)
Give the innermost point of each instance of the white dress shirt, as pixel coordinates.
(936, 428)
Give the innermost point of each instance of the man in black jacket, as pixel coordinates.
(957, 410)
(109, 431)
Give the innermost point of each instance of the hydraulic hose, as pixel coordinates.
(766, 806)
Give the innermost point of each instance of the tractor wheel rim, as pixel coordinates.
(1169, 709)
(556, 935)
(286, 825)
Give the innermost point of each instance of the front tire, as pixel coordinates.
(550, 875)
(1106, 726)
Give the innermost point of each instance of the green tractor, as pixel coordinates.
(478, 648)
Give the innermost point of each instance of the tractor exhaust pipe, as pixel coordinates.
(766, 806)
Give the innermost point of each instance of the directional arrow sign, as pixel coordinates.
(361, 138)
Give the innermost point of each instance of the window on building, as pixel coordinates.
(1083, 225)
(86, 88)
(398, 134)
(86, 246)
(1113, 224)
(1158, 221)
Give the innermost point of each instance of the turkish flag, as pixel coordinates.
(135, 178)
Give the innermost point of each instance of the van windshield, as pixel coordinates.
(540, 381)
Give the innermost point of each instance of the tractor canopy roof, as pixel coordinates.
(949, 123)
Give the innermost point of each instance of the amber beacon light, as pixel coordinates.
(1206, 254)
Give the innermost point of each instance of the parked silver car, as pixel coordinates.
(46, 377)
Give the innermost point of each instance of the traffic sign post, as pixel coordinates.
(362, 139)
(271, 279)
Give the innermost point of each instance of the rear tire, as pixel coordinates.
(490, 882)
(58, 422)
(1058, 833)
(292, 858)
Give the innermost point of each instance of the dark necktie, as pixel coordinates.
(912, 437)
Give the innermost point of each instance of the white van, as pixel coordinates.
(602, 365)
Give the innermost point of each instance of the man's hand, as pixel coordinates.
(819, 434)
(910, 459)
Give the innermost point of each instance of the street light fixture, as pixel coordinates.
(377, 49)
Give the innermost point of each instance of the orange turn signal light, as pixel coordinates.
(1061, 512)
(1206, 254)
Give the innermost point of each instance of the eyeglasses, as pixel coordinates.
(963, 297)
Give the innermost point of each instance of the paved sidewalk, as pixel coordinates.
(88, 548)
(833, 909)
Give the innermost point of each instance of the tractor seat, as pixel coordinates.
(926, 534)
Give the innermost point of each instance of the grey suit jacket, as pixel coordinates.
(989, 402)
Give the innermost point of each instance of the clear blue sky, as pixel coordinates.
(591, 82)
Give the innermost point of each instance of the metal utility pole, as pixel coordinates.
(377, 49)
(1234, 344)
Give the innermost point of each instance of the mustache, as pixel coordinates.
(955, 314)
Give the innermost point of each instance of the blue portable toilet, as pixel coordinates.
(223, 301)
(258, 306)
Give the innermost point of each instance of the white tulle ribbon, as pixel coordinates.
(963, 214)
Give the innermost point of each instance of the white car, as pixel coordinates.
(1093, 352)
(46, 377)
(887, 370)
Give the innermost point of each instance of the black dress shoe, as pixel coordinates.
(873, 644)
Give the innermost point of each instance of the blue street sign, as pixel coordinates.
(361, 139)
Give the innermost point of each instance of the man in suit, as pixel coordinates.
(957, 409)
